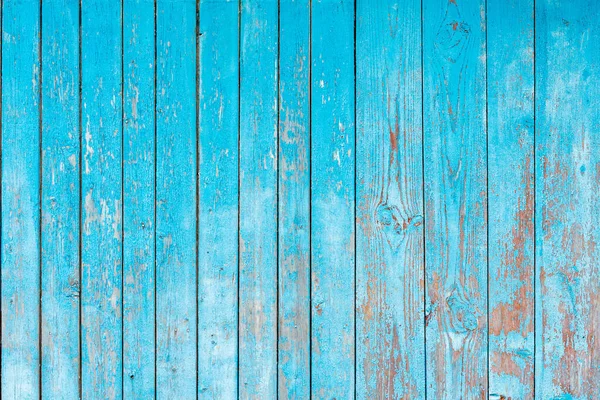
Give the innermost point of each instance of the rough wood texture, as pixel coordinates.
(60, 199)
(218, 199)
(332, 199)
(390, 327)
(101, 200)
(511, 198)
(454, 87)
(138, 200)
(20, 278)
(176, 200)
(567, 209)
(258, 199)
(294, 200)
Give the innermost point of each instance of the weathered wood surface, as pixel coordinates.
(101, 200)
(261, 199)
(511, 198)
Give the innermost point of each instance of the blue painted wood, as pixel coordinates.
(567, 204)
(390, 355)
(454, 121)
(61, 158)
(332, 199)
(218, 199)
(176, 200)
(294, 201)
(511, 198)
(138, 200)
(258, 199)
(101, 198)
(20, 283)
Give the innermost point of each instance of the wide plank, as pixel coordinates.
(389, 245)
(567, 214)
(20, 239)
(511, 198)
(218, 199)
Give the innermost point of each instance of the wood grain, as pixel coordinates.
(258, 199)
(101, 198)
(176, 200)
(332, 200)
(20, 278)
(511, 198)
(294, 200)
(454, 87)
(567, 183)
(61, 157)
(389, 210)
(139, 180)
(218, 199)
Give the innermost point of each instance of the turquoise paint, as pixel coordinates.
(218, 200)
(138, 199)
(332, 199)
(189, 211)
(61, 158)
(567, 69)
(101, 200)
(176, 200)
(258, 200)
(20, 278)
(511, 197)
(294, 201)
(390, 353)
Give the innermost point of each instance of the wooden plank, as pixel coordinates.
(568, 207)
(60, 199)
(176, 204)
(138, 200)
(101, 191)
(333, 198)
(390, 288)
(20, 283)
(454, 101)
(218, 199)
(294, 201)
(511, 198)
(258, 199)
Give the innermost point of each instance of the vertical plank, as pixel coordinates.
(333, 173)
(60, 199)
(138, 199)
(511, 198)
(294, 201)
(101, 191)
(568, 207)
(20, 199)
(218, 199)
(258, 199)
(454, 87)
(176, 205)
(390, 288)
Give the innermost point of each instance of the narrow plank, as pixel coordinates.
(176, 205)
(60, 199)
(568, 207)
(454, 87)
(138, 200)
(20, 284)
(333, 173)
(258, 200)
(390, 288)
(333, 200)
(101, 191)
(294, 201)
(218, 199)
(511, 198)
